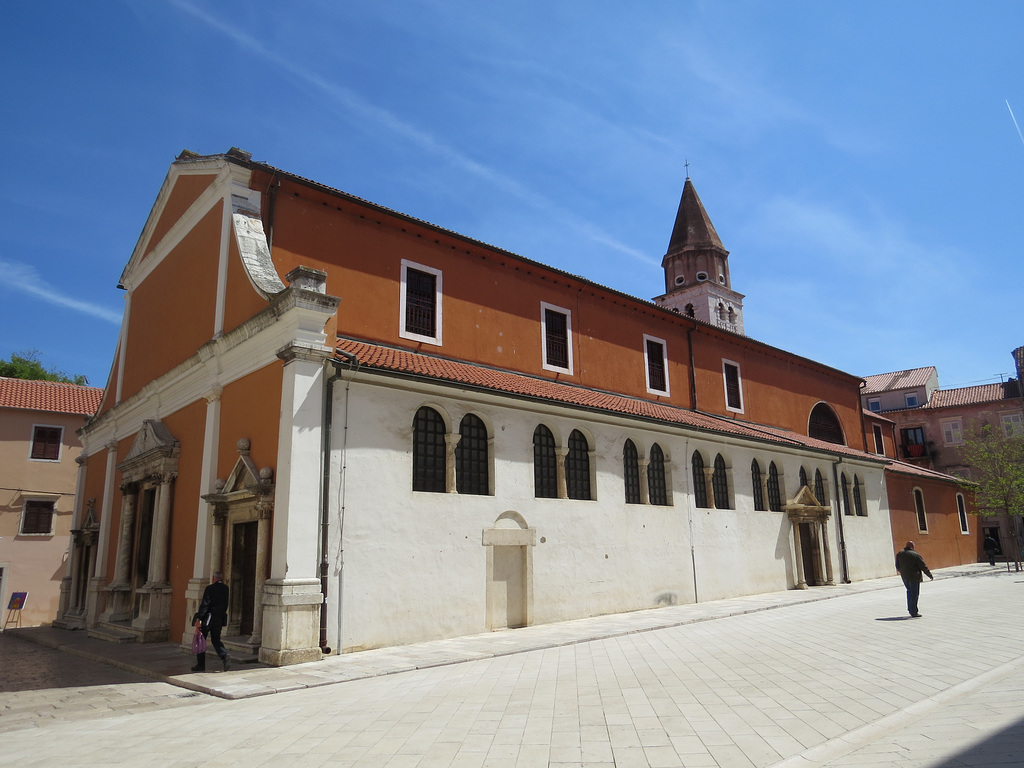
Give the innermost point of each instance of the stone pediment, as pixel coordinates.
(244, 481)
(155, 451)
(806, 506)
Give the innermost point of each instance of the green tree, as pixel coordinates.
(26, 365)
(996, 465)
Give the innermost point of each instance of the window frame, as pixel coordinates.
(859, 510)
(961, 509)
(651, 389)
(427, 469)
(545, 463)
(25, 516)
(908, 396)
(46, 443)
(473, 457)
(700, 486)
(657, 478)
(739, 385)
(875, 404)
(578, 484)
(403, 331)
(545, 307)
(757, 491)
(775, 488)
(720, 483)
(631, 473)
(1016, 423)
(921, 510)
(956, 432)
(876, 430)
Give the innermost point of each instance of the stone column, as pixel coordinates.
(129, 503)
(265, 512)
(451, 441)
(709, 486)
(829, 580)
(560, 454)
(160, 542)
(801, 582)
(645, 488)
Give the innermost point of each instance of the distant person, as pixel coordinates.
(911, 565)
(211, 618)
(990, 546)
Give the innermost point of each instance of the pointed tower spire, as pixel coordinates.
(697, 281)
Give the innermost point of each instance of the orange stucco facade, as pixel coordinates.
(943, 543)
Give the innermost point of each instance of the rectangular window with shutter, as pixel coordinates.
(556, 338)
(46, 443)
(420, 317)
(656, 363)
(37, 519)
(733, 386)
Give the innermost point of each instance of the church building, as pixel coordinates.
(385, 432)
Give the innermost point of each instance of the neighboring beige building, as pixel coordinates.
(38, 448)
(932, 423)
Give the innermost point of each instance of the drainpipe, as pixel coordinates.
(325, 480)
(837, 495)
(689, 522)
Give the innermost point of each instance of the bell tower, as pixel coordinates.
(696, 267)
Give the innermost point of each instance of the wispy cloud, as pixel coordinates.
(26, 279)
(352, 104)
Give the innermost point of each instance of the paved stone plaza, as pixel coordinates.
(834, 676)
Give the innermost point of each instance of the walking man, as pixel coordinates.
(211, 618)
(911, 565)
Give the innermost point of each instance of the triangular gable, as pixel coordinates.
(805, 498)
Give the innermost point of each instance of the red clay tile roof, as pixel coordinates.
(886, 382)
(49, 396)
(983, 393)
(405, 362)
(903, 468)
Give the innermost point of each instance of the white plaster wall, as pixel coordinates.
(415, 567)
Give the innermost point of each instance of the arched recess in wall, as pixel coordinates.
(823, 424)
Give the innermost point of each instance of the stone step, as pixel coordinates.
(112, 634)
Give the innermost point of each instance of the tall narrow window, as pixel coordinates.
(556, 335)
(858, 501)
(733, 387)
(656, 360)
(922, 518)
(421, 303)
(819, 487)
(961, 509)
(774, 488)
(879, 442)
(428, 451)
(472, 474)
(700, 490)
(545, 470)
(755, 482)
(803, 477)
(37, 518)
(720, 484)
(631, 472)
(845, 488)
(46, 443)
(656, 487)
(577, 467)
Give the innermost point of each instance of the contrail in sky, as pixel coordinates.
(1015, 122)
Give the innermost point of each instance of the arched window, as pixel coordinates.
(471, 464)
(922, 517)
(846, 494)
(545, 467)
(656, 488)
(700, 491)
(577, 467)
(755, 482)
(720, 484)
(774, 489)
(819, 487)
(858, 503)
(428, 451)
(631, 472)
(824, 425)
(803, 477)
(961, 509)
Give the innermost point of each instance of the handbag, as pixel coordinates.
(198, 642)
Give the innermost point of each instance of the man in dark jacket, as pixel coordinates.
(991, 546)
(211, 618)
(910, 566)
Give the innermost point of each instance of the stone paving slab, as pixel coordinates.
(169, 662)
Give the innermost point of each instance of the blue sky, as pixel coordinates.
(858, 160)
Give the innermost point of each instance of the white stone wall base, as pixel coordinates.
(291, 621)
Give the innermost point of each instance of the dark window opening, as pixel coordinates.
(700, 491)
(657, 490)
(819, 487)
(545, 468)
(38, 518)
(858, 503)
(471, 464)
(824, 425)
(733, 397)
(720, 484)
(428, 451)
(774, 489)
(577, 467)
(755, 481)
(46, 443)
(420, 302)
(846, 495)
(922, 519)
(656, 366)
(556, 338)
(631, 472)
